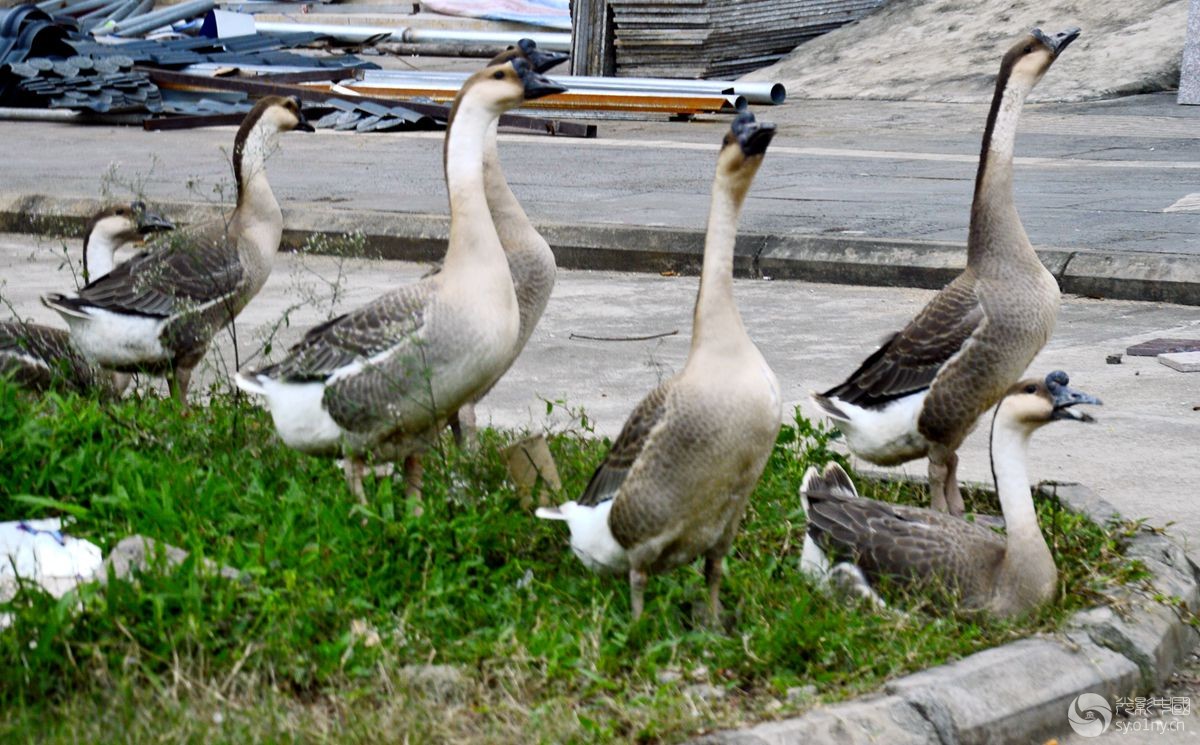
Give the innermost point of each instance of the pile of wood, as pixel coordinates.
(718, 38)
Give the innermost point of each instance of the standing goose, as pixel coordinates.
(384, 379)
(157, 312)
(530, 260)
(38, 357)
(674, 484)
(1004, 575)
(921, 393)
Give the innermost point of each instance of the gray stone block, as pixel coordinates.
(1148, 632)
(1181, 361)
(138, 553)
(1173, 573)
(872, 720)
(1015, 693)
(1079, 498)
(1189, 72)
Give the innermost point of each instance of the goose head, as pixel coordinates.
(504, 86)
(743, 148)
(1033, 403)
(1029, 59)
(526, 49)
(115, 226)
(277, 114)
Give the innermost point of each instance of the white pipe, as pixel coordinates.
(358, 34)
(758, 93)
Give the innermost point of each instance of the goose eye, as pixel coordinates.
(1031, 389)
(1028, 49)
(498, 75)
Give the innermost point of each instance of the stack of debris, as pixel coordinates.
(712, 38)
(101, 85)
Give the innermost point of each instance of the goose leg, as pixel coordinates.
(712, 576)
(177, 384)
(414, 471)
(938, 472)
(353, 467)
(954, 499)
(462, 424)
(637, 590)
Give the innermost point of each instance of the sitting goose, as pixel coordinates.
(674, 484)
(1004, 575)
(158, 311)
(530, 259)
(38, 357)
(921, 393)
(384, 379)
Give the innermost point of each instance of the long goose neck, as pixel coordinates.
(717, 325)
(255, 200)
(1009, 447)
(995, 225)
(98, 253)
(473, 239)
(510, 218)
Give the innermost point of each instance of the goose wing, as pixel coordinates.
(611, 472)
(38, 345)
(897, 541)
(187, 272)
(37, 356)
(384, 326)
(909, 361)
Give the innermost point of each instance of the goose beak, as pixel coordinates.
(302, 125)
(756, 141)
(152, 222)
(539, 60)
(1066, 397)
(537, 85)
(1058, 42)
(544, 61)
(752, 136)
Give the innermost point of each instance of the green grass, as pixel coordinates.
(340, 597)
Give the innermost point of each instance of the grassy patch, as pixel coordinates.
(345, 603)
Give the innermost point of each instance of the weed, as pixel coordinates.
(347, 606)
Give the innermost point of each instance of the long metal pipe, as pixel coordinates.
(758, 93)
(559, 42)
(150, 21)
(77, 8)
(550, 40)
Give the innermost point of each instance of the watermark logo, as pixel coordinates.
(1089, 714)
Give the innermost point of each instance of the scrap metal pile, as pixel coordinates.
(204, 66)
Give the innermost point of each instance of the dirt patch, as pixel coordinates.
(949, 50)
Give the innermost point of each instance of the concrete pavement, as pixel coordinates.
(852, 191)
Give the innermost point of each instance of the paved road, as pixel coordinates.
(1089, 176)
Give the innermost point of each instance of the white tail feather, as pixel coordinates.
(550, 513)
(249, 384)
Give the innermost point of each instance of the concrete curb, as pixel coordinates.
(1173, 278)
(1020, 692)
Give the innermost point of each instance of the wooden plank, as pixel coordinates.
(434, 112)
(191, 122)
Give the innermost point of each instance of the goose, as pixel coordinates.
(921, 393)
(1003, 575)
(157, 312)
(384, 379)
(530, 260)
(675, 483)
(39, 357)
